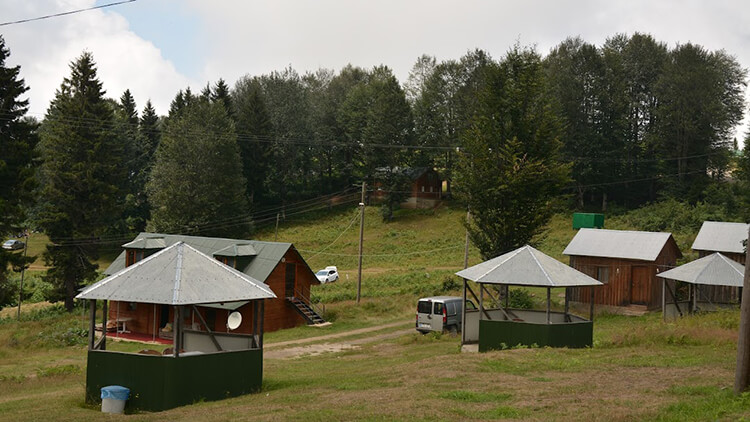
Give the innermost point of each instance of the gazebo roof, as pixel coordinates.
(527, 266)
(178, 275)
(712, 270)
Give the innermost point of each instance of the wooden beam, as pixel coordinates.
(591, 308)
(262, 320)
(549, 302)
(103, 342)
(463, 315)
(674, 297)
(477, 299)
(567, 305)
(205, 325)
(92, 322)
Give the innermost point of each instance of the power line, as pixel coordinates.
(66, 13)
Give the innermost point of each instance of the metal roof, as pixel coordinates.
(268, 254)
(237, 250)
(717, 236)
(146, 243)
(713, 270)
(644, 246)
(178, 275)
(527, 266)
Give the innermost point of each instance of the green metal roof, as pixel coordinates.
(267, 254)
(146, 243)
(237, 250)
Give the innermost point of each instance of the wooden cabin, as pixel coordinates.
(727, 239)
(626, 262)
(425, 187)
(277, 264)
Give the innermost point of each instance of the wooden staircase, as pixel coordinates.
(307, 312)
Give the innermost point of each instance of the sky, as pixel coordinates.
(157, 47)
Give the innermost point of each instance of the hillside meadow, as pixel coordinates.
(640, 368)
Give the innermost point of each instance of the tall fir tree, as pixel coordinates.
(196, 184)
(17, 141)
(510, 172)
(80, 178)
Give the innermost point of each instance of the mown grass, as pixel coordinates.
(640, 368)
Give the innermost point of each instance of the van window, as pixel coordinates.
(438, 308)
(424, 306)
(451, 306)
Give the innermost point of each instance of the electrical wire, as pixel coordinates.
(66, 13)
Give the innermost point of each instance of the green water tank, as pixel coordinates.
(588, 220)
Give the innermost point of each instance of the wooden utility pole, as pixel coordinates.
(742, 373)
(23, 271)
(276, 234)
(466, 246)
(361, 237)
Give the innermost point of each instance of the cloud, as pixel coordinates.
(44, 49)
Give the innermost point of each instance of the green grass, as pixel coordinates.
(640, 368)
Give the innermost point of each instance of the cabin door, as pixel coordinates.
(639, 285)
(291, 270)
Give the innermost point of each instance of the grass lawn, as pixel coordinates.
(640, 368)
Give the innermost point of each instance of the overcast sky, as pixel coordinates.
(156, 47)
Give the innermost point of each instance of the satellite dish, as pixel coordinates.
(234, 320)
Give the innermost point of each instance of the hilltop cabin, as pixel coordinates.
(727, 239)
(425, 186)
(626, 262)
(202, 364)
(276, 264)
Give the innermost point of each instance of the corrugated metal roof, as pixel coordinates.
(644, 246)
(527, 266)
(717, 236)
(712, 270)
(178, 275)
(268, 254)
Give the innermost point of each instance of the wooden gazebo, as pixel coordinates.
(500, 326)
(701, 277)
(204, 364)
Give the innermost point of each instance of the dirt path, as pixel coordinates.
(332, 336)
(316, 349)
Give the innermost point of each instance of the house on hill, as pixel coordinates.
(425, 187)
(276, 264)
(727, 238)
(626, 262)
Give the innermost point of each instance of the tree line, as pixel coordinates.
(627, 122)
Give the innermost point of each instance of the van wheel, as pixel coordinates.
(453, 330)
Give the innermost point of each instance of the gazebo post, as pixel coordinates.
(463, 315)
(507, 295)
(92, 322)
(664, 299)
(567, 305)
(481, 300)
(549, 293)
(104, 326)
(261, 320)
(176, 331)
(591, 308)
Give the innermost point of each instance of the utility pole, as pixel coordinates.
(466, 247)
(23, 272)
(276, 234)
(361, 237)
(742, 373)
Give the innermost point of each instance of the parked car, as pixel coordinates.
(327, 275)
(13, 244)
(440, 313)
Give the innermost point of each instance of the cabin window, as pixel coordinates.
(132, 256)
(422, 188)
(602, 274)
(231, 261)
(132, 306)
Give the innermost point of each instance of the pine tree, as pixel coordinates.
(196, 184)
(254, 125)
(17, 141)
(509, 171)
(79, 178)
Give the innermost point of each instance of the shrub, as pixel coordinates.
(520, 299)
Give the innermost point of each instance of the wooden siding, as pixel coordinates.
(629, 281)
(279, 313)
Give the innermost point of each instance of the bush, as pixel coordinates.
(450, 284)
(520, 299)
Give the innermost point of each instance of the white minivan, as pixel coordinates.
(440, 313)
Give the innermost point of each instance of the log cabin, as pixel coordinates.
(425, 187)
(277, 264)
(626, 262)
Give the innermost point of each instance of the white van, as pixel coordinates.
(440, 313)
